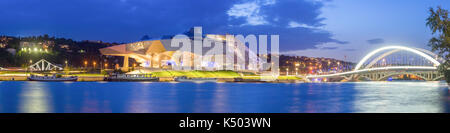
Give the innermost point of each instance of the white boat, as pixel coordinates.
(131, 77)
(51, 78)
(186, 79)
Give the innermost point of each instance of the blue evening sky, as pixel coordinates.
(343, 29)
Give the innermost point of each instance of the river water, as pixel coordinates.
(160, 97)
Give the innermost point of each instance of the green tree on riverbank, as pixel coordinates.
(439, 23)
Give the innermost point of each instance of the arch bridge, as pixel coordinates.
(389, 61)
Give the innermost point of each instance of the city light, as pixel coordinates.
(34, 50)
(287, 71)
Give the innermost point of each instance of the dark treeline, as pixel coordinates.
(21, 51)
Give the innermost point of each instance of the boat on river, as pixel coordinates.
(247, 80)
(187, 79)
(131, 77)
(54, 77)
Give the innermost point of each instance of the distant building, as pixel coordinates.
(160, 53)
(42, 46)
(4, 41)
(294, 65)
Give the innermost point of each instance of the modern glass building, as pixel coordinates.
(165, 54)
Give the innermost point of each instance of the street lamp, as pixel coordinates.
(338, 63)
(66, 62)
(31, 70)
(287, 71)
(95, 63)
(106, 65)
(296, 71)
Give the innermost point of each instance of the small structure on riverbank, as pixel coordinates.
(44, 65)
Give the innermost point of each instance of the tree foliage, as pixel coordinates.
(60, 50)
(439, 24)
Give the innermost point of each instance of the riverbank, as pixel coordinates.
(93, 78)
(169, 76)
(24, 78)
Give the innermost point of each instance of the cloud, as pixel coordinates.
(129, 20)
(375, 41)
(250, 11)
(294, 24)
(350, 49)
(329, 48)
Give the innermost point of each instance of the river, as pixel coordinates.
(160, 97)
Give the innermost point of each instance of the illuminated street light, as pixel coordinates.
(31, 70)
(287, 71)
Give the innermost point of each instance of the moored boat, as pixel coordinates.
(131, 77)
(186, 79)
(51, 78)
(247, 80)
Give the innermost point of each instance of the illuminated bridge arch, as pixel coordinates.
(393, 50)
(367, 69)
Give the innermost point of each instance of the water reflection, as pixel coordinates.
(220, 99)
(402, 97)
(35, 98)
(138, 100)
(138, 97)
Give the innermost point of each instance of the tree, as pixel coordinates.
(439, 23)
(145, 38)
